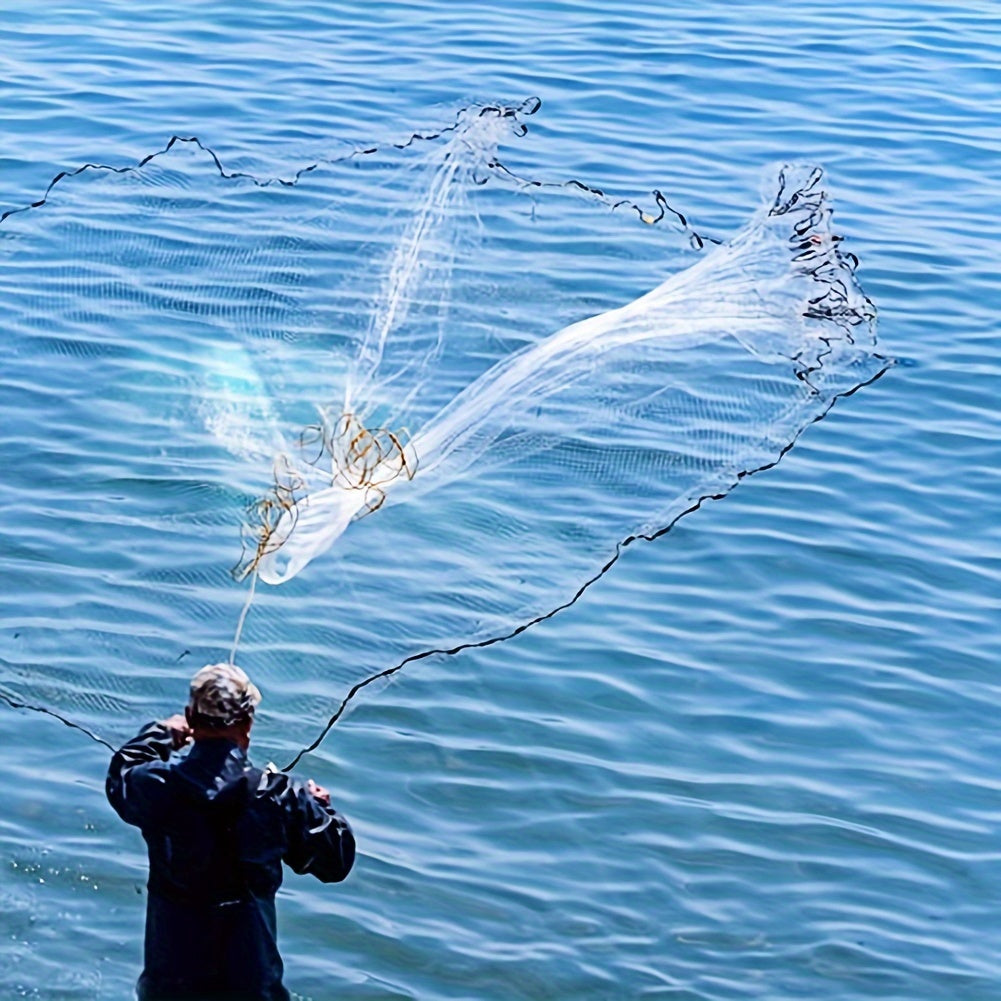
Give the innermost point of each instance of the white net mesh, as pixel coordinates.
(612, 405)
(475, 361)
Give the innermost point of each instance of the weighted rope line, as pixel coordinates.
(823, 261)
(266, 182)
(358, 687)
(696, 239)
(528, 107)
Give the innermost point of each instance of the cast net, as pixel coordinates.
(446, 395)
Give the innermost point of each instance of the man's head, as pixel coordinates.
(222, 704)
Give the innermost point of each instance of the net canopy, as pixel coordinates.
(436, 397)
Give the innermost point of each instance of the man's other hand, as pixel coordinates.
(318, 792)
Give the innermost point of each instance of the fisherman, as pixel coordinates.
(217, 830)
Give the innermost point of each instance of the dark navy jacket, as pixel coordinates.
(217, 830)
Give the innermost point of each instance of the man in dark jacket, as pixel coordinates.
(217, 830)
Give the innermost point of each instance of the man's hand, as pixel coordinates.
(318, 792)
(180, 732)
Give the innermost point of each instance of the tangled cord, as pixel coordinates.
(360, 457)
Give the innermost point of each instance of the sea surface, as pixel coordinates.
(757, 757)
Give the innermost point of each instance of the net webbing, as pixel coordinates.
(474, 398)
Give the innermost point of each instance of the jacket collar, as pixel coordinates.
(214, 762)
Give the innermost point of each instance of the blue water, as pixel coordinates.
(757, 758)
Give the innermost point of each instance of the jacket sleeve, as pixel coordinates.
(153, 743)
(319, 840)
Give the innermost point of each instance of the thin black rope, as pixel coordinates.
(887, 364)
(664, 209)
(17, 704)
(527, 107)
